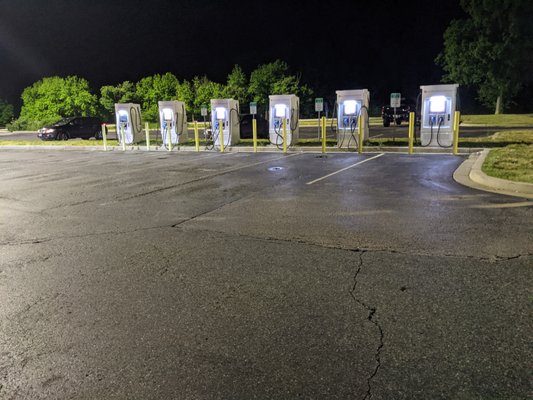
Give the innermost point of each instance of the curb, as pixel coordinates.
(470, 174)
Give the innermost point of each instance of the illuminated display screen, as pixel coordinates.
(167, 114)
(350, 107)
(280, 110)
(437, 104)
(220, 113)
(123, 116)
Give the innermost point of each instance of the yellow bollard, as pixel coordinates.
(456, 120)
(221, 135)
(360, 128)
(169, 138)
(104, 136)
(147, 132)
(411, 131)
(196, 138)
(284, 127)
(254, 133)
(123, 138)
(323, 122)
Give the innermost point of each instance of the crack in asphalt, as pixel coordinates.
(373, 319)
(176, 225)
(29, 241)
(123, 232)
(492, 259)
(86, 235)
(61, 206)
(35, 304)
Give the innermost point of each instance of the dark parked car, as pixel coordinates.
(401, 115)
(246, 126)
(72, 127)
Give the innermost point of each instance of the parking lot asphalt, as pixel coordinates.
(148, 275)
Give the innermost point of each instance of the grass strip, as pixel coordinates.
(499, 119)
(513, 162)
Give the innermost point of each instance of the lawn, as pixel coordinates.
(498, 139)
(499, 119)
(513, 162)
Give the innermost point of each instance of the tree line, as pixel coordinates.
(52, 98)
(490, 50)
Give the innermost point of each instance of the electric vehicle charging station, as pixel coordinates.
(350, 105)
(439, 103)
(173, 120)
(227, 111)
(285, 106)
(129, 127)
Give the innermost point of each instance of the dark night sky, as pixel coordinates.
(381, 45)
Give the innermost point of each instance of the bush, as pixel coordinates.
(25, 124)
(53, 98)
(6, 113)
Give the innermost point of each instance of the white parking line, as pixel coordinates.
(345, 168)
(505, 205)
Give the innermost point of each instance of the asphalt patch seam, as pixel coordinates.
(373, 319)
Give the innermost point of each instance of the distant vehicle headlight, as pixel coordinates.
(49, 130)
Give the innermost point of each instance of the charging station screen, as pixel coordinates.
(280, 110)
(220, 113)
(167, 114)
(350, 107)
(122, 116)
(437, 104)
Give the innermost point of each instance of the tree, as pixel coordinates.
(291, 85)
(204, 91)
(197, 92)
(122, 93)
(6, 112)
(186, 94)
(491, 50)
(53, 98)
(237, 86)
(274, 78)
(263, 78)
(152, 89)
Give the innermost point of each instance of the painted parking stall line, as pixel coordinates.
(344, 169)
